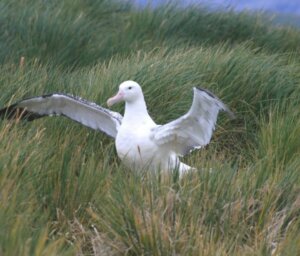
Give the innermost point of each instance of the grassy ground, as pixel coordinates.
(63, 190)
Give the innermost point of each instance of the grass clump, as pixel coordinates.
(63, 190)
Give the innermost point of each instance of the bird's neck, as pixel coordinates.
(136, 112)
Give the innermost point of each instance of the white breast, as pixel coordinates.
(136, 149)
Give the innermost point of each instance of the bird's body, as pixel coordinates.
(140, 142)
(138, 151)
(133, 144)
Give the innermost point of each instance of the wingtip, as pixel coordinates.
(230, 114)
(15, 112)
(8, 112)
(209, 93)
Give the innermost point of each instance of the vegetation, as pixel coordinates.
(63, 190)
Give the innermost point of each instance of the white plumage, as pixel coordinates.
(140, 142)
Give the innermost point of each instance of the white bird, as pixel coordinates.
(140, 142)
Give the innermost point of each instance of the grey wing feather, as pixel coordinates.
(75, 108)
(194, 129)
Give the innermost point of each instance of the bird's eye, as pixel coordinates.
(129, 87)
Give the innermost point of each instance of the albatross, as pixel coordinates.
(140, 142)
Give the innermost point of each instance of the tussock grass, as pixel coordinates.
(63, 190)
(79, 33)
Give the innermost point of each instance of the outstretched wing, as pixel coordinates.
(75, 108)
(195, 128)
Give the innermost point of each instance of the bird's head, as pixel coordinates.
(129, 91)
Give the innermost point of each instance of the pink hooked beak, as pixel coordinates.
(117, 98)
